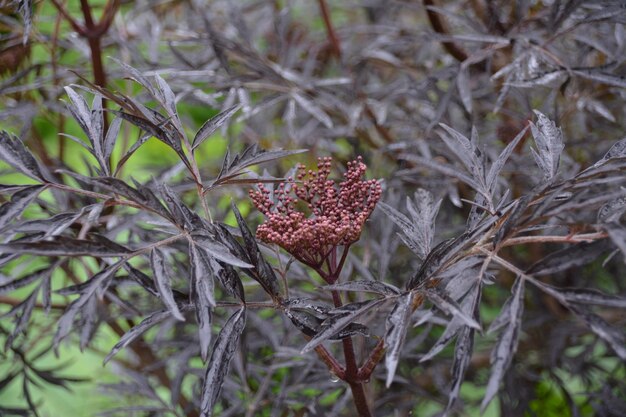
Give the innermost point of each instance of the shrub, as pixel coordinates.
(463, 215)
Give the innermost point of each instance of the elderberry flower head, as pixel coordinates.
(336, 212)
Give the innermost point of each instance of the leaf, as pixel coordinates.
(222, 353)
(463, 85)
(51, 226)
(82, 114)
(14, 153)
(219, 251)
(27, 308)
(462, 357)
(519, 207)
(210, 126)
(19, 201)
(252, 155)
(549, 142)
(618, 236)
(396, 328)
(142, 195)
(498, 164)
(311, 108)
(591, 296)
(64, 246)
(468, 305)
(342, 318)
(136, 331)
(163, 282)
(25, 280)
(449, 306)
(573, 256)
(467, 152)
(141, 279)
(444, 169)
(612, 211)
(375, 287)
(502, 354)
(94, 283)
(612, 336)
(111, 138)
(418, 232)
(202, 296)
(262, 272)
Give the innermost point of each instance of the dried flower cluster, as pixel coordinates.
(337, 212)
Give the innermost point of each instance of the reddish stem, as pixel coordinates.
(330, 30)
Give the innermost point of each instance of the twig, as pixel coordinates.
(330, 30)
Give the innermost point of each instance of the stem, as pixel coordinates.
(93, 33)
(360, 400)
(330, 30)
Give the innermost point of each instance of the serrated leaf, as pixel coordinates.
(449, 306)
(502, 354)
(219, 251)
(337, 322)
(314, 110)
(19, 201)
(163, 282)
(138, 330)
(262, 272)
(202, 295)
(463, 85)
(396, 328)
(455, 325)
(549, 142)
(92, 285)
(64, 246)
(612, 336)
(498, 164)
(375, 287)
(612, 211)
(27, 308)
(14, 153)
(467, 152)
(591, 296)
(223, 350)
(81, 113)
(25, 280)
(210, 126)
(573, 256)
(51, 226)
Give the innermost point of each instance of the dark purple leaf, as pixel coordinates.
(219, 251)
(138, 330)
(222, 353)
(375, 287)
(14, 153)
(51, 226)
(19, 201)
(449, 306)
(573, 256)
(210, 126)
(262, 272)
(64, 246)
(25, 280)
(614, 337)
(396, 328)
(502, 354)
(202, 296)
(99, 280)
(337, 322)
(549, 142)
(26, 307)
(163, 282)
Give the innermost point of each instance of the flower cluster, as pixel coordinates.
(337, 212)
